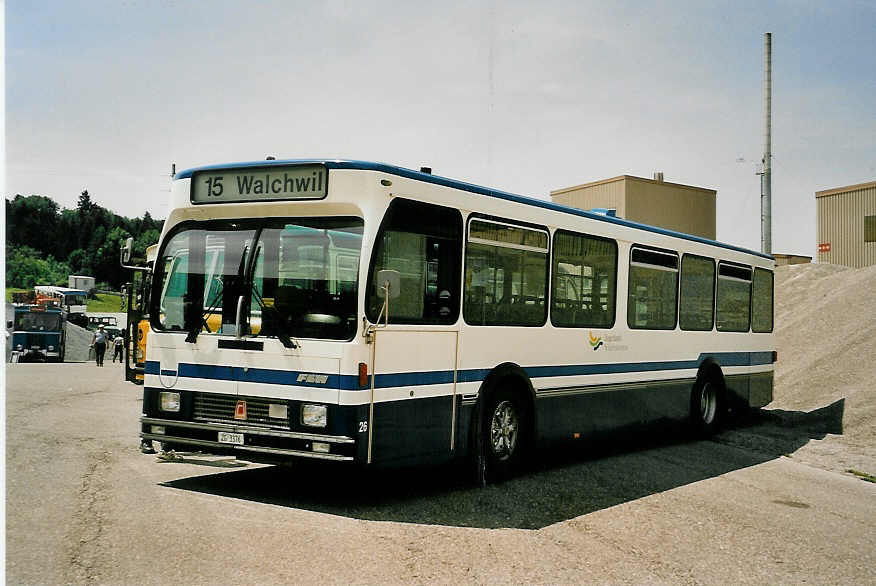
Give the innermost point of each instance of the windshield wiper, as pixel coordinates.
(193, 333)
(249, 284)
(281, 335)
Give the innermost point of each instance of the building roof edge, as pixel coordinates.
(838, 190)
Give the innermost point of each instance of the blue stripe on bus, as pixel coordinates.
(462, 185)
(404, 379)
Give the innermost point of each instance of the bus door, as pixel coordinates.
(417, 258)
(137, 325)
(412, 409)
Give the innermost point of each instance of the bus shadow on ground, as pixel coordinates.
(562, 484)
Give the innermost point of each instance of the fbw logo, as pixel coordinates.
(319, 379)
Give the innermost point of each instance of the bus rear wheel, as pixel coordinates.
(706, 407)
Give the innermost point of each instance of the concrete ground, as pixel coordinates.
(85, 507)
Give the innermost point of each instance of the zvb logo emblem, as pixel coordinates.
(595, 342)
(240, 410)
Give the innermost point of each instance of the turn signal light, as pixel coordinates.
(363, 374)
(775, 356)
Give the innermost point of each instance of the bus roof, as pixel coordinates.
(66, 290)
(453, 183)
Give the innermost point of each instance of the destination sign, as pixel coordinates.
(260, 184)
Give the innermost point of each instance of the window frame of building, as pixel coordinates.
(869, 228)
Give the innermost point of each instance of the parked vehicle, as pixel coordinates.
(38, 333)
(363, 313)
(107, 321)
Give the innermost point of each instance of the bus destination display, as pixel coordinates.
(260, 184)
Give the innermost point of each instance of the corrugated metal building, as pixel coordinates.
(683, 208)
(846, 225)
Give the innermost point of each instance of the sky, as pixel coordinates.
(517, 96)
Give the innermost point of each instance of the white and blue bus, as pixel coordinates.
(72, 301)
(366, 313)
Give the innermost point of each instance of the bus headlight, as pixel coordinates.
(314, 415)
(168, 401)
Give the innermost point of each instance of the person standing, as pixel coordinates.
(98, 342)
(118, 344)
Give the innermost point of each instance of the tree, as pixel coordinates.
(88, 237)
(29, 219)
(79, 262)
(25, 268)
(85, 205)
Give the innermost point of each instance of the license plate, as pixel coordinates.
(226, 437)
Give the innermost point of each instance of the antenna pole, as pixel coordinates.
(766, 228)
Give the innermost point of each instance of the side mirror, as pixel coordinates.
(127, 251)
(9, 325)
(391, 279)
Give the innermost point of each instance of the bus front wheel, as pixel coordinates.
(503, 436)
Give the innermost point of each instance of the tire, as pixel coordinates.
(706, 406)
(504, 435)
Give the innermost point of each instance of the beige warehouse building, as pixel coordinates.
(683, 208)
(790, 259)
(846, 225)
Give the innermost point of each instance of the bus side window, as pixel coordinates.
(697, 303)
(505, 274)
(733, 309)
(653, 289)
(423, 242)
(762, 301)
(584, 277)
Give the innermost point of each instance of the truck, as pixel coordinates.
(38, 333)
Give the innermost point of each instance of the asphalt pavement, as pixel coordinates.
(84, 506)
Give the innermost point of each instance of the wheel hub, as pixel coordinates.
(708, 403)
(503, 430)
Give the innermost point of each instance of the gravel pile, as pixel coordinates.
(826, 339)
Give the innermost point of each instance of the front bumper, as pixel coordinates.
(263, 443)
(36, 354)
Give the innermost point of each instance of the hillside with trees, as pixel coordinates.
(45, 243)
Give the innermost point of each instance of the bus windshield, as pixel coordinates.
(290, 277)
(74, 299)
(37, 322)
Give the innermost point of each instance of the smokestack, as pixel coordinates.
(766, 226)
